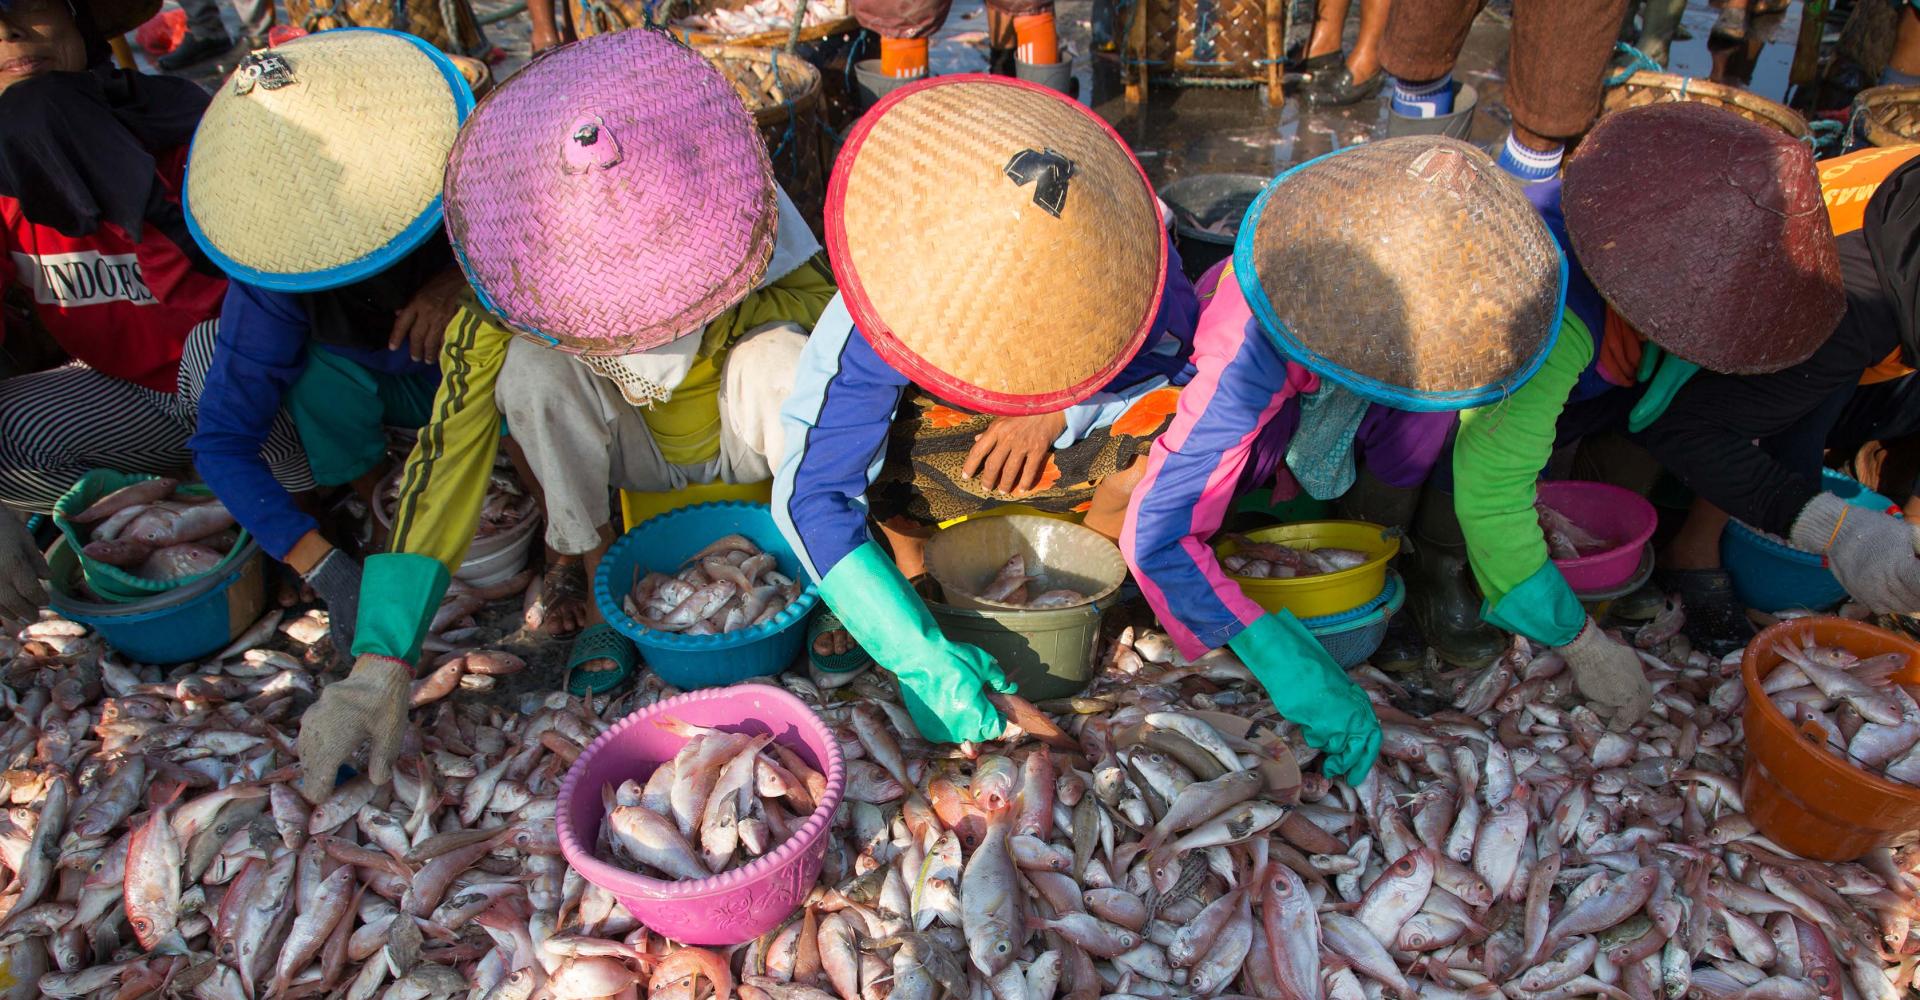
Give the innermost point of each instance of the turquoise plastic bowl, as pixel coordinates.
(1771, 577)
(175, 626)
(661, 543)
(1352, 636)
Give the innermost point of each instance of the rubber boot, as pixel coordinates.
(870, 85)
(1716, 621)
(1000, 62)
(1454, 124)
(1056, 77)
(1375, 501)
(1440, 590)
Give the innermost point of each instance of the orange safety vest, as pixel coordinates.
(1847, 182)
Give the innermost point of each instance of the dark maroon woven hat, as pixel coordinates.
(1706, 232)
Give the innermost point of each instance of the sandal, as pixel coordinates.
(600, 642)
(833, 663)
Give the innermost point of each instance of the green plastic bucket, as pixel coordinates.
(111, 583)
(1048, 652)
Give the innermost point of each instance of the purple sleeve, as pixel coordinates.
(1241, 383)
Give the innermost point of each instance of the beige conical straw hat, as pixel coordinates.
(996, 242)
(319, 163)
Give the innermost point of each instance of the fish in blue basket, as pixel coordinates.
(725, 587)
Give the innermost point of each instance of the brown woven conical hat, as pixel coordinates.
(995, 242)
(1413, 271)
(1707, 232)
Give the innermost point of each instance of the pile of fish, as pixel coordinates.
(157, 845)
(1161, 835)
(1274, 561)
(725, 587)
(1565, 539)
(762, 15)
(1851, 706)
(153, 530)
(1014, 585)
(722, 801)
(507, 505)
(1161, 841)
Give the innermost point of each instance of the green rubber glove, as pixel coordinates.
(1670, 372)
(1313, 692)
(940, 680)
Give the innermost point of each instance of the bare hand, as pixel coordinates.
(422, 322)
(1010, 455)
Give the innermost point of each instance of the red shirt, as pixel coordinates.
(120, 307)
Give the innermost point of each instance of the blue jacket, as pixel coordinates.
(844, 401)
(260, 351)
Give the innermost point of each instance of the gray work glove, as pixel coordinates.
(336, 578)
(1875, 556)
(369, 706)
(1608, 675)
(21, 569)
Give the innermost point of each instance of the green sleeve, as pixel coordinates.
(444, 483)
(798, 297)
(442, 489)
(398, 595)
(1497, 458)
(1542, 608)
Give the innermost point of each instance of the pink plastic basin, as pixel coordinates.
(1619, 515)
(735, 906)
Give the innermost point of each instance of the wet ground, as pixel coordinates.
(1187, 130)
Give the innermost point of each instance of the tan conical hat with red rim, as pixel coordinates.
(995, 242)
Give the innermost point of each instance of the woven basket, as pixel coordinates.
(425, 18)
(844, 25)
(1215, 41)
(1890, 114)
(1647, 87)
(782, 91)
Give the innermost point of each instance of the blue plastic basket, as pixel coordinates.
(1770, 576)
(662, 543)
(177, 626)
(1352, 636)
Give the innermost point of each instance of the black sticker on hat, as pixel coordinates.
(269, 70)
(1048, 172)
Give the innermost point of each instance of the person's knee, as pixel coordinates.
(536, 384)
(766, 359)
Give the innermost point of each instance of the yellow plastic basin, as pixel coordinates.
(1328, 593)
(637, 507)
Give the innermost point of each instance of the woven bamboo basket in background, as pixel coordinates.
(844, 25)
(782, 91)
(1218, 42)
(594, 17)
(1647, 87)
(425, 18)
(1890, 115)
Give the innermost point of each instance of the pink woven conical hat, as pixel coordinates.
(612, 196)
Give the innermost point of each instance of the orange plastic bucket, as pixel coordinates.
(1798, 793)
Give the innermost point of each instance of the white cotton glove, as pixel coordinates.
(1608, 675)
(369, 706)
(1875, 556)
